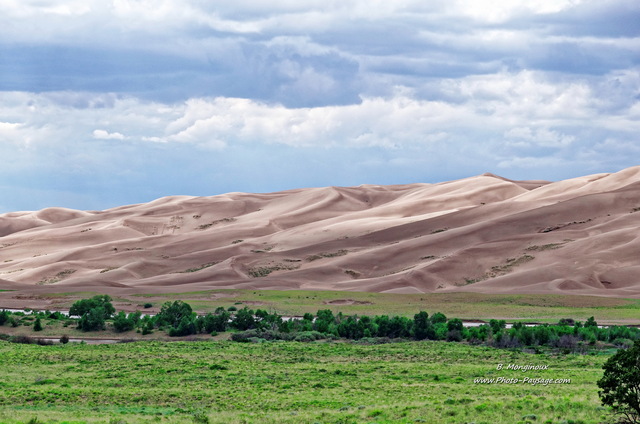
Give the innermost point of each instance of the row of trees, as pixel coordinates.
(178, 319)
(567, 334)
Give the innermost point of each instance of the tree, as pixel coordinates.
(122, 323)
(497, 325)
(37, 326)
(93, 320)
(171, 314)
(244, 319)
(185, 328)
(422, 327)
(438, 317)
(83, 306)
(455, 324)
(324, 320)
(620, 383)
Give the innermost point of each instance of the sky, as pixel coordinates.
(112, 102)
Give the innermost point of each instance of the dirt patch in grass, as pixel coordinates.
(347, 302)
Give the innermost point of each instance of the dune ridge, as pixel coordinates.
(483, 234)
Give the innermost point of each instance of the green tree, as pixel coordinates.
(324, 320)
(172, 313)
(438, 317)
(620, 384)
(122, 323)
(244, 319)
(422, 327)
(37, 325)
(83, 306)
(185, 327)
(93, 320)
(497, 325)
(455, 324)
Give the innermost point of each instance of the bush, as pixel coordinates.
(64, 339)
(22, 339)
(309, 336)
(200, 418)
(4, 316)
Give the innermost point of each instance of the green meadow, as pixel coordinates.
(291, 382)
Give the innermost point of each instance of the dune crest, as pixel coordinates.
(484, 234)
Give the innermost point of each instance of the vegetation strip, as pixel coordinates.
(350, 374)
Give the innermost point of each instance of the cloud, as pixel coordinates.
(525, 108)
(541, 137)
(198, 94)
(106, 135)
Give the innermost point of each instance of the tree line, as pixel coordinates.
(177, 318)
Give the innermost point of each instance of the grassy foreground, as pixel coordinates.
(288, 382)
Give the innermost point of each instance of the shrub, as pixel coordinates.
(200, 418)
(4, 316)
(308, 336)
(22, 339)
(454, 336)
(64, 339)
(147, 329)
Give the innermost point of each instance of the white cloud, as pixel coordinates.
(495, 11)
(543, 137)
(106, 135)
(533, 162)
(526, 108)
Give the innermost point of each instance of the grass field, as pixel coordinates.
(278, 382)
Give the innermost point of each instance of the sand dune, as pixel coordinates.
(482, 234)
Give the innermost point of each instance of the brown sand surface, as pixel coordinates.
(484, 234)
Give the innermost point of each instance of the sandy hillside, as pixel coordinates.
(482, 234)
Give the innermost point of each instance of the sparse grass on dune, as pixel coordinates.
(225, 382)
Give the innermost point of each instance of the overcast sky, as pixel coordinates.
(104, 103)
